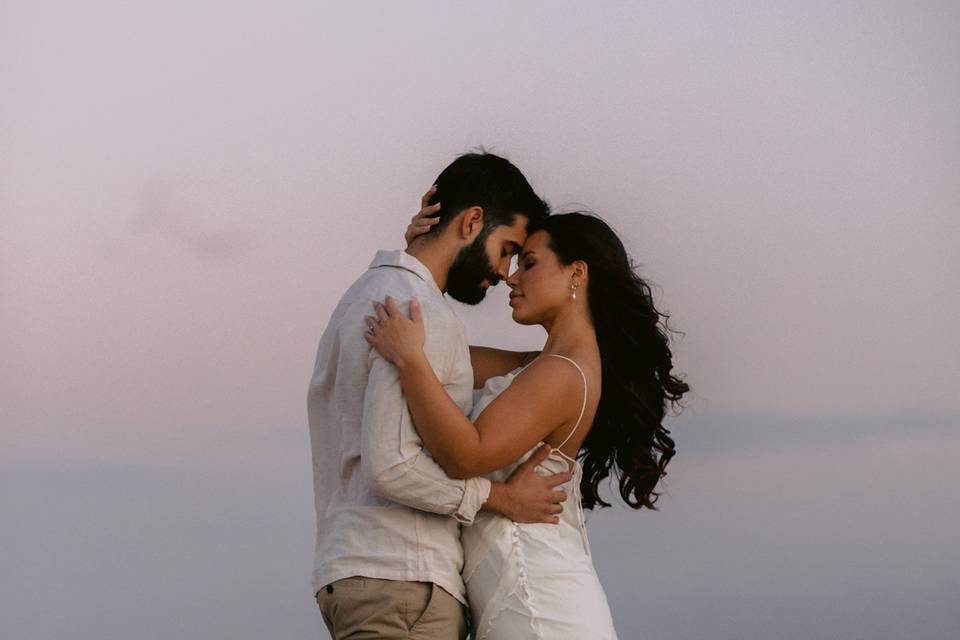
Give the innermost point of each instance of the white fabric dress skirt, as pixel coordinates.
(533, 581)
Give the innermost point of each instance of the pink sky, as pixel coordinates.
(186, 191)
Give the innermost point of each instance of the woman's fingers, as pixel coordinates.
(415, 311)
(418, 229)
(426, 216)
(389, 309)
(382, 315)
(422, 221)
(425, 200)
(392, 308)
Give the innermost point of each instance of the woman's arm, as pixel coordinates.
(489, 362)
(545, 397)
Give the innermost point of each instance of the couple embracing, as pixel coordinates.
(450, 480)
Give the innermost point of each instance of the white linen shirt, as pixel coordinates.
(383, 504)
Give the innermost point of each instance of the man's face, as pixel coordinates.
(486, 261)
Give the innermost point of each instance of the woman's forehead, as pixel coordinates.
(537, 242)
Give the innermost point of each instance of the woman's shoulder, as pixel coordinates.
(556, 372)
(579, 364)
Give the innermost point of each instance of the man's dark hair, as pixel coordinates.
(488, 181)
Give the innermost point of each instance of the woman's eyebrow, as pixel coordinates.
(530, 252)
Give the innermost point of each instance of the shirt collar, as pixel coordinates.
(401, 259)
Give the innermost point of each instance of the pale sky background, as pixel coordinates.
(186, 188)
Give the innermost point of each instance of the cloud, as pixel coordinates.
(159, 212)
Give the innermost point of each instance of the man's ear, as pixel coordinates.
(471, 223)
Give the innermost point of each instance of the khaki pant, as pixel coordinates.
(360, 608)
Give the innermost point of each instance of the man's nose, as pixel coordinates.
(504, 269)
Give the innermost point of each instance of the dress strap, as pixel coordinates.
(582, 408)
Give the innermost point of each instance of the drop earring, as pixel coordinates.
(573, 291)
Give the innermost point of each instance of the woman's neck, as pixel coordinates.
(568, 331)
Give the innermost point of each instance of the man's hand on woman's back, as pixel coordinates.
(527, 496)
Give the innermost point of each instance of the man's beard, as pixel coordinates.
(469, 269)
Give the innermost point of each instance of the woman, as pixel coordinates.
(597, 392)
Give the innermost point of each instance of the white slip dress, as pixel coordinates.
(534, 581)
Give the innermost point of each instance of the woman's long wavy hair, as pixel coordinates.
(628, 435)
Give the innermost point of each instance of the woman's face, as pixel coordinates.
(540, 285)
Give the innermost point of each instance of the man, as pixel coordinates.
(388, 555)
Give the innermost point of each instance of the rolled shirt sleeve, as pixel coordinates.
(392, 455)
